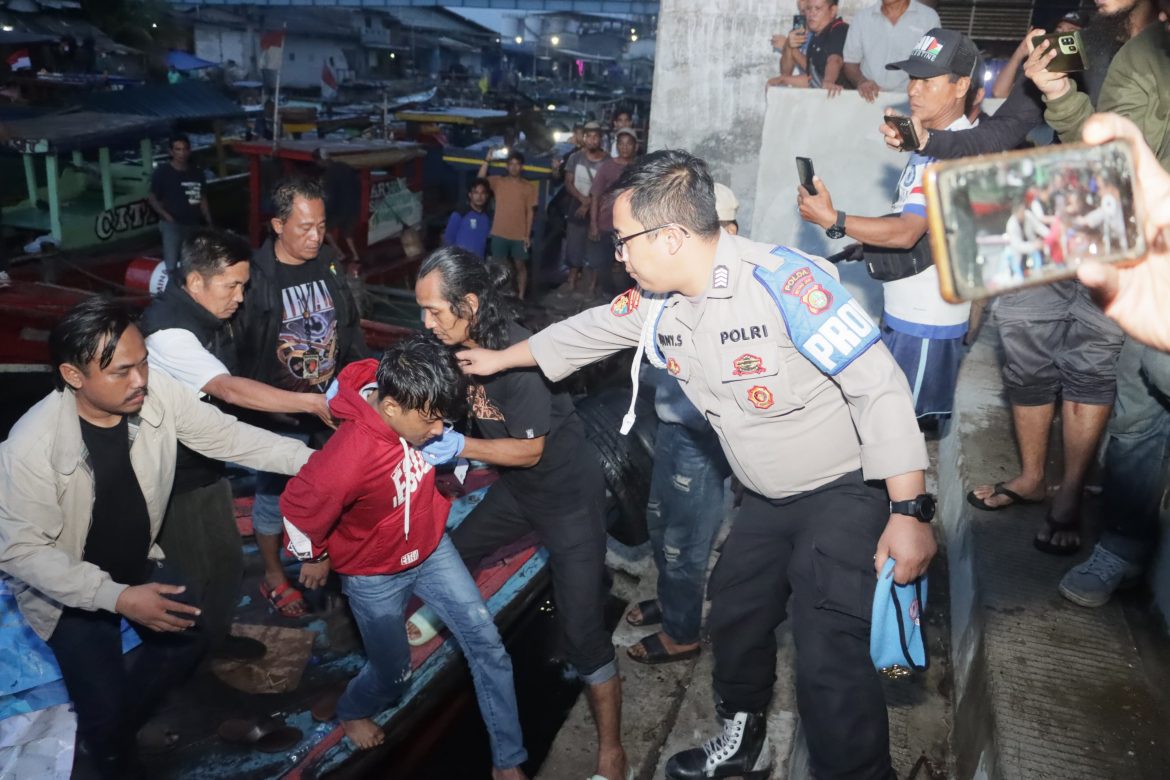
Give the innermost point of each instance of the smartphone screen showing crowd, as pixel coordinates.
(1011, 220)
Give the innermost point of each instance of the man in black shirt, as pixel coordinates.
(549, 481)
(822, 61)
(299, 326)
(178, 196)
(85, 476)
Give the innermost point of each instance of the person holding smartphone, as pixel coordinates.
(816, 50)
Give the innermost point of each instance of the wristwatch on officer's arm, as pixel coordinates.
(837, 229)
(921, 508)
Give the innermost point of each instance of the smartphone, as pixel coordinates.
(1070, 51)
(1012, 220)
(798, 22)
(906, 133)
(804, 169)
(500, 154)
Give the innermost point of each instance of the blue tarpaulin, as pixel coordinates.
(181, 60)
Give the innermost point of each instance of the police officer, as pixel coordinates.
(812, 413)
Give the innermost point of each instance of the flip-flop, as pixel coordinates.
(656, 652)
(282, 598)
(651, 613)
(268, 735)
(1054, 527)
(629, 776)
(428, 624)
(1000, 490)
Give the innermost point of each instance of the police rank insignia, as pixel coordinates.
(673, 367)
(626, 303)
(804, 286)
(761, 397)
(747, 365)
(721, 277)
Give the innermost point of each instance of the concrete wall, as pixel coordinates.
(712, 60)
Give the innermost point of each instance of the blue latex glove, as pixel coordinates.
(444, 448)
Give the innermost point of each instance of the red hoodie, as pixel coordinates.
(367, 496)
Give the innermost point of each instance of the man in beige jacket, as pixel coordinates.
(85, 477)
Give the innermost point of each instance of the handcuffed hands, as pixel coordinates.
(443, 448)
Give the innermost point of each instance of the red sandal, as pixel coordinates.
(285, 599)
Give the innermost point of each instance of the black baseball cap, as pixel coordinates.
(939, 53)
(1076, 17)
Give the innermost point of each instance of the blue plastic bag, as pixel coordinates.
(896, 637)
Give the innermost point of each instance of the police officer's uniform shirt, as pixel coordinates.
(785, 424)
(914, 305)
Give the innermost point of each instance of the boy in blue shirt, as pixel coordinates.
(470, 228)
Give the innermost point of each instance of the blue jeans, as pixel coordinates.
(172, 234)
(1136, 454)
(266, 515)
(378, 603)
(683, 516)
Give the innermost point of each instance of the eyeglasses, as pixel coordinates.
(619, 242)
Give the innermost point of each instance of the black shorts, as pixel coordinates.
(1057, 342)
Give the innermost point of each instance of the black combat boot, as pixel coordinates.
(740, 751)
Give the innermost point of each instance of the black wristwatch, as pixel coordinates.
(922, 508)
(837, 229)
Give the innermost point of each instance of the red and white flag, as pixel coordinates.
(328, 82)
(271, 50)
(19, 60)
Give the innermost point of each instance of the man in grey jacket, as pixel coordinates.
(85, 477)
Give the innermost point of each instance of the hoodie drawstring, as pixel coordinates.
(408, 464)
(647, 347)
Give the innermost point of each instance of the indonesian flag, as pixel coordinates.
(328, 82)
(271, 50)
(19, 60)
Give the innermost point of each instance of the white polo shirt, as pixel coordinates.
(874, 42)
(176, 351)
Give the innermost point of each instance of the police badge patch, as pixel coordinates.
(747, 365)
(760, 397)
(626, 303)
(672, 367)
(803, 285)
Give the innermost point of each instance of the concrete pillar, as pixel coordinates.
(711, 62)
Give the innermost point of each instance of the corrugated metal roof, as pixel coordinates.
(80, 130)
(438, 19)
(185, 101)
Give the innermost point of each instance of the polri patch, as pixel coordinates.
(831, 337)
(802, 285)
(747, 364)
(672, 367)
(626, 303)
(760, 397)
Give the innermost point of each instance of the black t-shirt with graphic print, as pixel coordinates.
(522, 404)
(306, 346)
(179, 191)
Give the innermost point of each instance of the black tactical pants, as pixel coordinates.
(816, 547)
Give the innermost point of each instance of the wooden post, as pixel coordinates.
(107, 177)
(30, 178)
(385, 118)
(276, 92)
(54, 198)
(220, 153)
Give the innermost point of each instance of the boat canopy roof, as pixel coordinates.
(187, 101)
(79, 130)
(356, 154)
(455, 115)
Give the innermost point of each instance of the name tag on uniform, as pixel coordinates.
(825, 323)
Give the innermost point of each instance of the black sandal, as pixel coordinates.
(1054, 527)
(651, 613)
(268, 735)
(655, 652)
(1000, 490)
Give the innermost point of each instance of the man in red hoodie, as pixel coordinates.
(366, 506)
